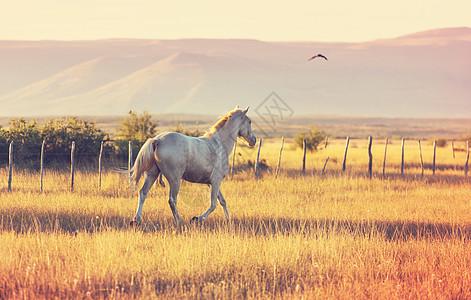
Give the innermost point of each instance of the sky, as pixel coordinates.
(267, 20)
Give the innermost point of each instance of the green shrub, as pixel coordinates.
(137, 129)
(313, 138)
(441, 143)
(26, 138)
(58, 135)
(183, 129)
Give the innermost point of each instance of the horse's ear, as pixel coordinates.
(246, 110)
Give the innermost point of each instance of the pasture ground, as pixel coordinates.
(337, 235)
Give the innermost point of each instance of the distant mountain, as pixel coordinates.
(444, 33)
(424, 74)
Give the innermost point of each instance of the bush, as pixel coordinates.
(3, 146)
(441, 143)
(137, 129)
(58, 134)
(26, 138)
(183, 129)
(313, 138)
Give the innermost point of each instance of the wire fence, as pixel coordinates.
(55, 160)
(26, 158)
(103, 161)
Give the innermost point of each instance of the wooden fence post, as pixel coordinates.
(42, 163)
(325, 164)
(370, 156)
(467, 159)
(421, 160)
(130, 156)
(304, 156)
(258, 157)
(402, 155)
(100, 165)
(344, 166)
(10, 166)
(326, 142)
(453, 148)
(233, 160)
(434, 155)
(384, 159)
(72, 166)
(279, 158)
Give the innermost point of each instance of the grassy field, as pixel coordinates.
(337, 235)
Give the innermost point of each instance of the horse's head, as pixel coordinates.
(245, 129)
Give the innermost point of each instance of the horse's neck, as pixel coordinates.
(228, 137)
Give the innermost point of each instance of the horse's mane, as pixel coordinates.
(220, 124)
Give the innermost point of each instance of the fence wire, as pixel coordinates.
(88, 163)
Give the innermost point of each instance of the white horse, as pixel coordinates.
(201, 160)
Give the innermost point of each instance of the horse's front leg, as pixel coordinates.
(214, 197)
(222, 201)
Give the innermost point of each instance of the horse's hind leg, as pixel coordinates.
(149, 177)
(161, 181)
(172, 199)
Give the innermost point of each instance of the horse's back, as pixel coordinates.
(192, 158)
(179, 142)
(171, 144)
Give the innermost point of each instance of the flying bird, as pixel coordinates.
(318, 55)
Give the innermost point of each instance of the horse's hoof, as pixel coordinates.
(133, 223)
(194, 220)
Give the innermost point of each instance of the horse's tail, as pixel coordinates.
(144, 161)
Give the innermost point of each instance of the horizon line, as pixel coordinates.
(225, 38)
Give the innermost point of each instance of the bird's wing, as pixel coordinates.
(320, 55)
(313, 57)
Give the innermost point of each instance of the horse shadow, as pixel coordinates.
(389, 230)
(22, 221)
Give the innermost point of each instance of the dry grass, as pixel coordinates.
(337, 235)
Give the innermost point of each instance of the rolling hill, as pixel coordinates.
(420, 75)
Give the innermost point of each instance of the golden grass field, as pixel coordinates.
(337, 235)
